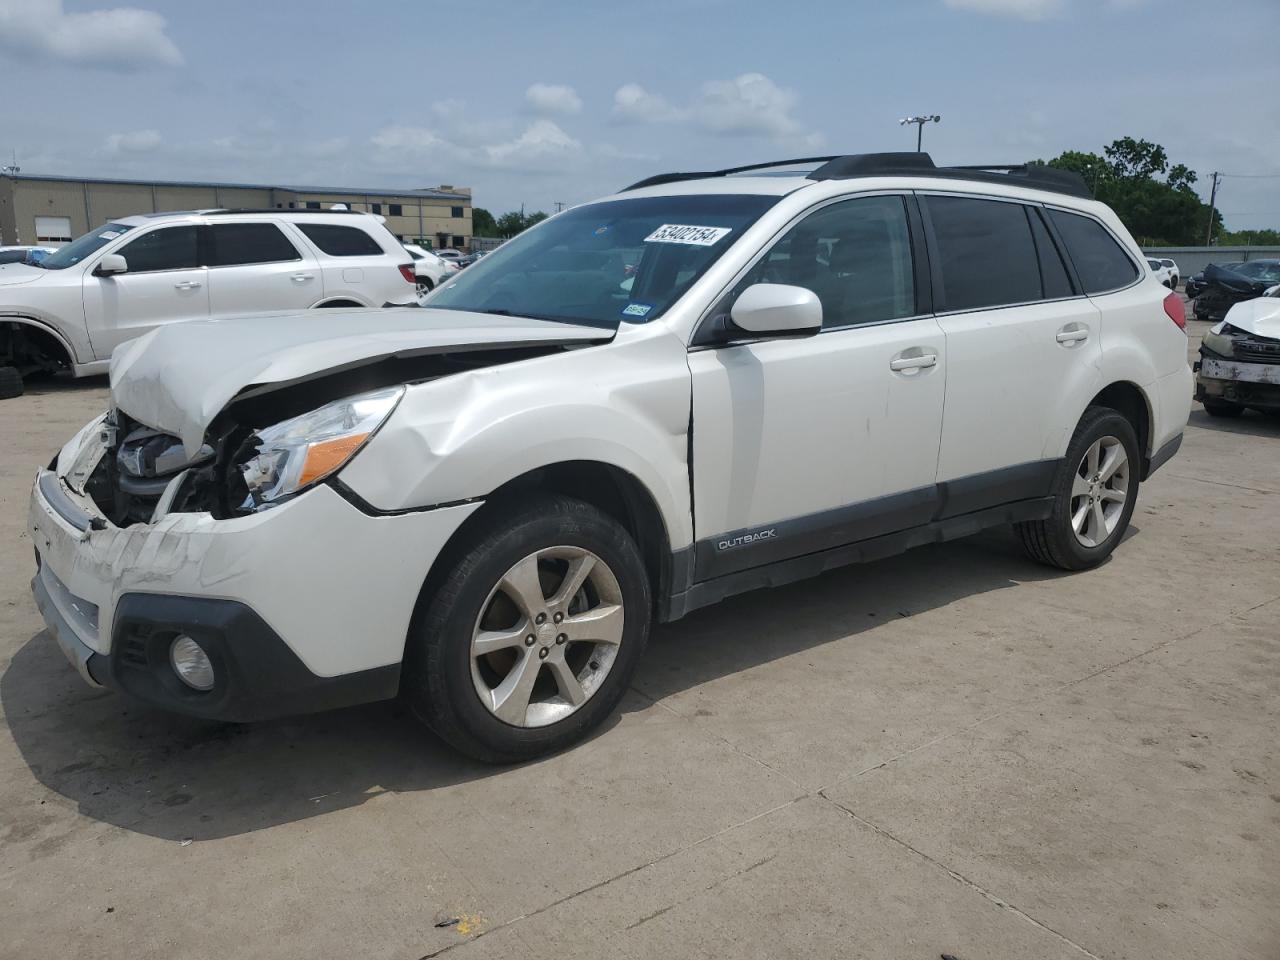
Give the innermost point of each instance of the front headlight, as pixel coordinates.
(1220, 339)
(296, 453)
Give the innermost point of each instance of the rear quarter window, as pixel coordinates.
(1100, 261)
(340, 241)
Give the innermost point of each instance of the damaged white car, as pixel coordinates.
(705, 384)
(1239, 365)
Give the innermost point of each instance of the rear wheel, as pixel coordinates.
(1094, 495)
(424, 286)
(1222, 408)
(530, 640)
(10, 383)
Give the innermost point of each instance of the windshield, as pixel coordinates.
(81, 247)
(1260, 269)
(605, 262)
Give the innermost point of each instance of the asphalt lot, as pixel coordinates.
(954, 751)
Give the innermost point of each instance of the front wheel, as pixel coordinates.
(1094, 494)
(529, 641)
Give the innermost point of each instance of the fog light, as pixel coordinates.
(191, 663)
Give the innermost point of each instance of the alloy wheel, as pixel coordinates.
(1099, 490)
(547, 636)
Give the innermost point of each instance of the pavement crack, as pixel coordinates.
(622, 876)
(1222, 483)
(960, 878)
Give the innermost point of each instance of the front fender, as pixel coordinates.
(625, 403)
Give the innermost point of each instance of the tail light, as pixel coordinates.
(1177, 312)
(406, 271)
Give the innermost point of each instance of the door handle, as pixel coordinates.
(187, 285)
(302, 277)
(914, 363)
(1068, 337)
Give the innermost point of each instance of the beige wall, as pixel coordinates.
(21, 201)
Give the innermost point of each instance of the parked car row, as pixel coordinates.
(1220, 286)
(1165, 270)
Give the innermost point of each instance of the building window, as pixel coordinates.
(458, 242)
(313, 204)
(394, 209)
(292, 204)
(376, 207)
(456, 212)
(53, 230)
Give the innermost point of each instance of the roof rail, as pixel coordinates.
(661, 178)
(225, 211)
(1035, 176)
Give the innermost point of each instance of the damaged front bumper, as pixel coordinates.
(302, 607)
(1239, 382)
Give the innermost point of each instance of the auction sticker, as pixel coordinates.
(685, 233)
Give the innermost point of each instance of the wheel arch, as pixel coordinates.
(45, 335)
(338, 302)
(616, 492)
(1132, 402)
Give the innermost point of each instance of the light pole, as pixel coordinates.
(920, 122)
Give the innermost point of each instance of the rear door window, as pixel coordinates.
(986, 253)
(1100, 261)
(169, 248)
(339, 241)
(236, 244)
(1053, 271)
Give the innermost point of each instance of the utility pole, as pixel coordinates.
(559, 205)
(920, 122)
(1213, 196)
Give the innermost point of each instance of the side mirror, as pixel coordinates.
(776, 309)
(110, 265)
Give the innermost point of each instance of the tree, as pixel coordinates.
(482, 223)
(1154, 199)
(509, 224)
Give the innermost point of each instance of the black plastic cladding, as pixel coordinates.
(1032, 175)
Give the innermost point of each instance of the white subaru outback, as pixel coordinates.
(73, 307)
(705, 384)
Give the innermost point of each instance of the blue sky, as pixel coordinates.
(540, 101)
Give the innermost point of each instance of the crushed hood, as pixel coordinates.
(179, 377)
(1260, 317)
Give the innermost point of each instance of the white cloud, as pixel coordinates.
(449, 109)
(633, 102)
(138, 141)
(1022, 9)
(748, 105)
(553, 98)
(542, 142)
(541, 145)
(123, 38)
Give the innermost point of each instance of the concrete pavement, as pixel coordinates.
(954, 751)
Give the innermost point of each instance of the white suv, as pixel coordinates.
(133, 274)
(486, 503)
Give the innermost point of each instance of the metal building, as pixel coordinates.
(52, 210)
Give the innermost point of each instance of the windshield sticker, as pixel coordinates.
(601, 230)
(637, 309)
(684, 233)
(109, 234)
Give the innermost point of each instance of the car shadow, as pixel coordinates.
(63, 383)
(179, 778)
(1250, 423)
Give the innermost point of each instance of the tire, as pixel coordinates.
(424, 286)
(1222, 408)
(445, 676)
(10, 383)
(1055, 541)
